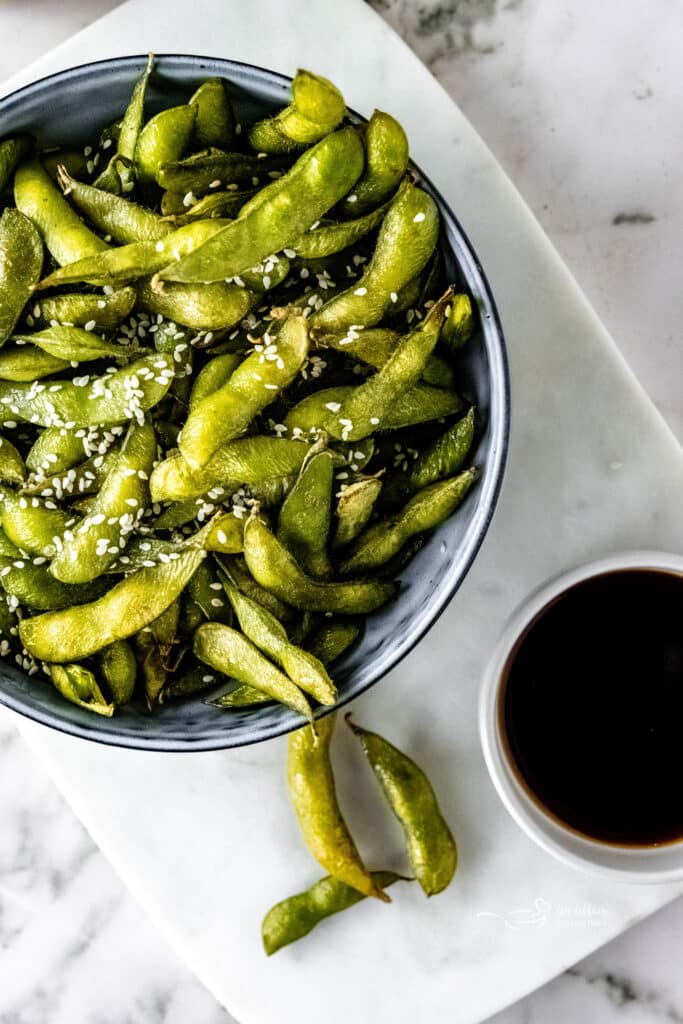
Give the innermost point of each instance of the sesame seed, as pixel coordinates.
(361, 291)
(418, 218)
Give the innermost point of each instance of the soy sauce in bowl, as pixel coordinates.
(591, 707)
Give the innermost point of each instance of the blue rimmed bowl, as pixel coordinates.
(70, 108)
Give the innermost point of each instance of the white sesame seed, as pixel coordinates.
(418, 218)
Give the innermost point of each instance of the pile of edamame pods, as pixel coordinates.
(228, 408)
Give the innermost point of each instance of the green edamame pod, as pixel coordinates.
(279, 213)
(224, 534)
(21, 261)
(79, 686)
(273, 567)
(118, 176)
(332, 638)
(232, 654)
(130, 262)
(423, 512)
(239, 573)
(206, 591)
(386, 161)
(187, 684)
(443, 458)
(73, 160)
(62, 230)
(119, 671)
(213, 169)
(181, 208)
(329, 239)
(296, 916)
(313, 794)
(459, 324)
(73, 344)
(164, 139)
(76, 633)
(99, 312)
(264, 630)
(99, 539)
(304, 520)
(354, 508)
(317, 108)
(250, 461)
(31, 525)
(406, 240)
(112, 398)
(24, 365)
(57, 449)
(212, 376)
(12, 152)
(12, 469)
(255, 383)
(431, 847)
(124, 220)
(215, 121)
(204, 307)
(418, 404)
(375, 345)
(154, 644)
(32, 586)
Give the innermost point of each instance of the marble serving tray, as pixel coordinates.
(208, 842)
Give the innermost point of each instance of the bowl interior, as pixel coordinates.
(69, 109)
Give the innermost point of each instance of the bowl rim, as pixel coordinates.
(493, 339)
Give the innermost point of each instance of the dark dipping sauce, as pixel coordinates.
(592, 707)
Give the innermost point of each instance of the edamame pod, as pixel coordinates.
(113, 215)
(12, 152)
(119, 671)
(118, 176)
(386, 161)
(100, 312)
(431, 847)
(304, 520)
(21, 261)
(73, 345)
(12, 469)
(317, 108)
(354, 508)
(79, 686)
(215, 121)
(78, 632)
(459, 324)
(204, 307)
(23, 365)
(443, 458)
(313, 794)
(213, 169)
(154, 644)
(163, 139)
(31, 525)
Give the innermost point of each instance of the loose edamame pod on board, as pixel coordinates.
(227, 412)
(386, 161)
(164, 138)
(406, 240)
(77, 632)
(12, 152)
(313, 794)
(215, 121)
(21, 261)
(114, 215)
(119, 174)
(279, 213)
(273, 567)
(119, 671)
(431, 848)
(304, 520)
(64, 233)
(317, 108)
(296, 916)
(229, 652)
(429, 507)
(79, 686)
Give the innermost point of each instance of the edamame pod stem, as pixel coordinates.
(100, 312)
(215, 123)
(273, 567)
(406, 240)
(164, 138)
(118, 175)
(255, 383)
(12, 152)
(98, 540)
(113, 398)
(423, 512)
(313, 794)
(113, 215)
(431, 847)
(21, 261)
(250, 461)
(386, 161)
(78, 632)
(317, 107)
(279, 213)
(418, 404)
(130, 262)
(296, 916)
(64, 233)
(232, 654)
(78, 685)
(304, 520)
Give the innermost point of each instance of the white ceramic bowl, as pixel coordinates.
(663, 863)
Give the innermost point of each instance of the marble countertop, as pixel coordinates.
(583, 117)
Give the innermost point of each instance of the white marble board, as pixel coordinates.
(207, 842)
